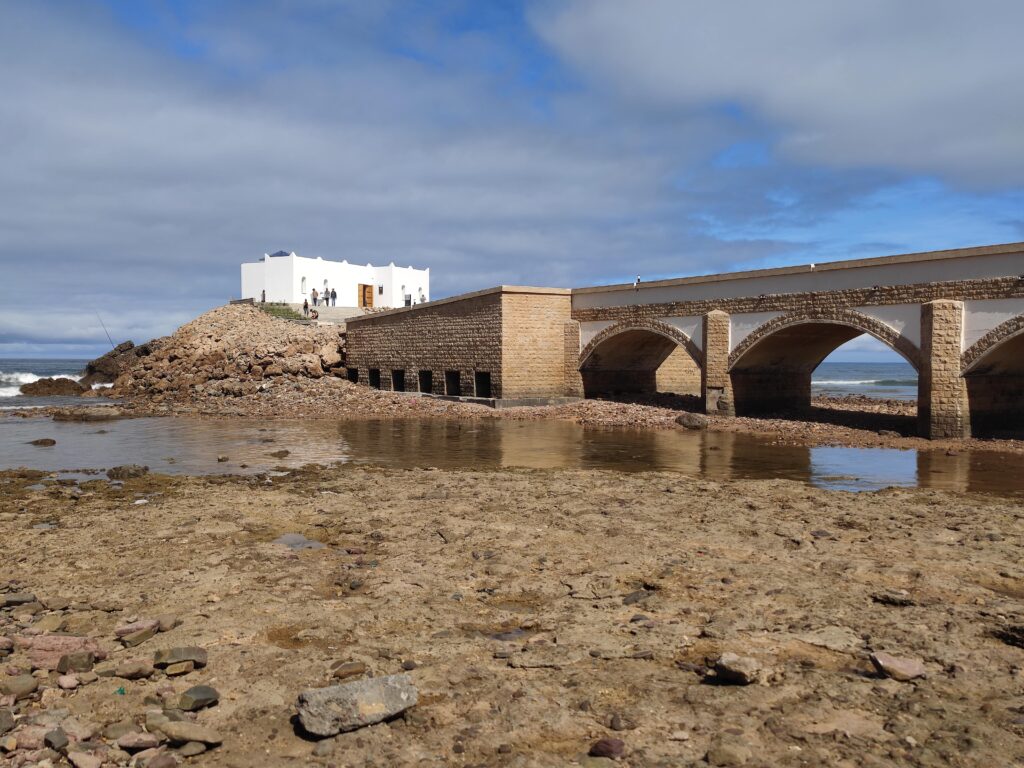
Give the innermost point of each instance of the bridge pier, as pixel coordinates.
(715, 382)
(942, 407)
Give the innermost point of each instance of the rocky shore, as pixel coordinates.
(522, 618)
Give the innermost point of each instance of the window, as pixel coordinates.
(408, 299)
(375, 378)
(398, 381)
(380, 290)
(452, 383)
(426, 381)
(482, 383)
(353, 375)
(303, 285)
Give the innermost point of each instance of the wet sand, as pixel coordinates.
(538, 611)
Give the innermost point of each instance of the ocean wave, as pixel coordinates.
(863, 382)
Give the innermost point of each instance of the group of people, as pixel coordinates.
(329, 298)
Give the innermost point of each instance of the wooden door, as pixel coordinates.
(365, 295)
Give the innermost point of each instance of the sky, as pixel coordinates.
(149, 147)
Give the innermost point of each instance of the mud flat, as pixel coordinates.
(541, 615)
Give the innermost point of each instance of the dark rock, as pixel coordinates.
(56, 739)
(127, 472)
(345, 707)
(197, 697)
(17, 598)
(612, 748)
(79, 661)
(692, 421)
(43, 442)
(166, 657)
(53, 388)
(1013, 635)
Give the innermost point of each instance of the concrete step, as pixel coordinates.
(332, 314)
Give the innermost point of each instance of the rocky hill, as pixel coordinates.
(231, 351)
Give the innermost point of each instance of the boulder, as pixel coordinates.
(346, 707)
(693, 421)
(898, 668)
(53, 387)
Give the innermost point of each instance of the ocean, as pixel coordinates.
(893, 381)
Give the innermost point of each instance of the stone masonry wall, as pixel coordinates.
(942, 409)
(462, 336)
(715, 381)
(533, 344)
(961, 290)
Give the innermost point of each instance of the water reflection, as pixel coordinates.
(187, 445)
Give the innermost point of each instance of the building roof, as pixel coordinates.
(280, 253)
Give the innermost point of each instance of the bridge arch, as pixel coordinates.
(993, 368)
(640, 357)
(770, 370)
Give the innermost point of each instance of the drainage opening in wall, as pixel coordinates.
(426, 381)
(482, 383)
(353, 375)
(375, 378)
(452, 383)
(398, 381)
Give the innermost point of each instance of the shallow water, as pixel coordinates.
(183, 445)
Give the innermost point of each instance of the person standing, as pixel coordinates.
(305, 307)
(314, 294)
(263, 296)
(334, 297)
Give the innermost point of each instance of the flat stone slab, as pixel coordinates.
(346, 707)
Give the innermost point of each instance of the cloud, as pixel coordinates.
(149, 148)
(925, 86)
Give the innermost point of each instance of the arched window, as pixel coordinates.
(303, 285)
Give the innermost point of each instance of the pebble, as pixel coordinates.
(135, 741)
(168, 621)
(191, 749)
(181, 668)
(339, 708)
(19, 686)
(185, 731)
(163, 760)
(134, 669)
(79, 661)
(736, 670)
(897, 667)
(612, 748)
(136, 626)
(17, 598)
(84, 760)
(729, 753)
(6, 720)
(164, 658)
(56, 739)
(138, 638)
(68, 682)
(197, 697)
(348, 669)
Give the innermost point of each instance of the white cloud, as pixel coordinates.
(928, 86)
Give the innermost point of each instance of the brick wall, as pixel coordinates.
(463, 336)
(533, 344)
(517, 335)
(942, 409)
(716, 383)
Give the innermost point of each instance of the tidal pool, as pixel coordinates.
(186, 445)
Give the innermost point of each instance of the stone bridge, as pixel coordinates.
(750, 340)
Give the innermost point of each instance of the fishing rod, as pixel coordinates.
(105, 330)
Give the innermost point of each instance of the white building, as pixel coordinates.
(290, 278)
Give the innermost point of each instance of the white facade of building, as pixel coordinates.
(290, 278)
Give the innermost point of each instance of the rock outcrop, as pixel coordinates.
(53, 387)
(229, 352)
(106, 369)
